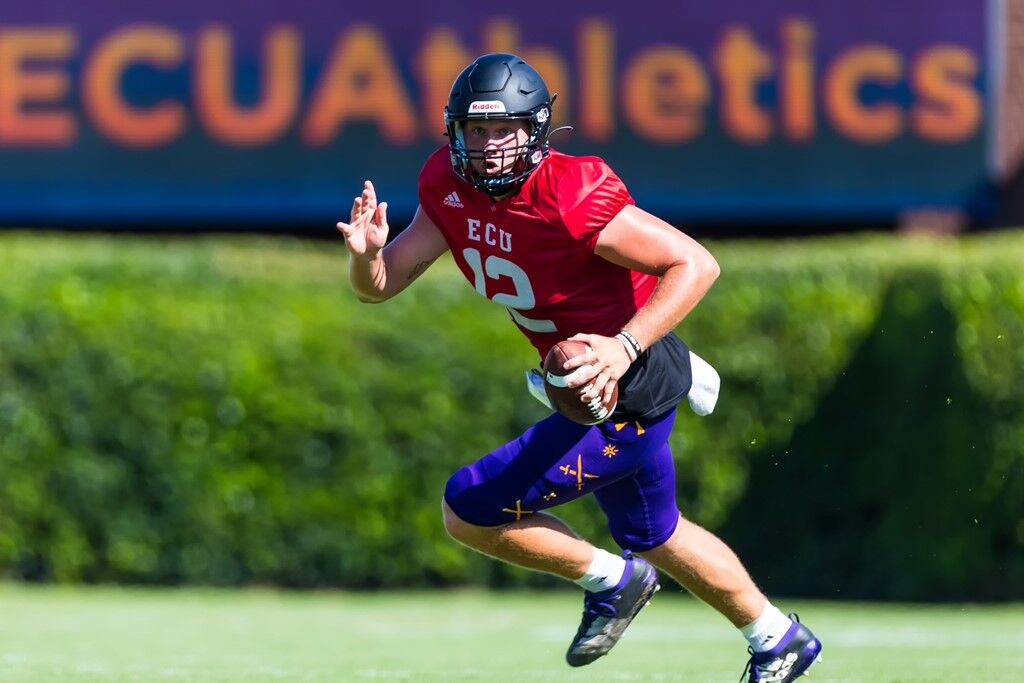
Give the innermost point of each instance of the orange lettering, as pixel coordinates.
(948, 108)
(597, 68)
(215, 105)
(741, 65)
(879, 123)
(440, 62)
(19, 86)
(796, 82)
(501, 36)
(360, 82)
(112, 116)
(664, 93)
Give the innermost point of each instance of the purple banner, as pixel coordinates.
(275, 112)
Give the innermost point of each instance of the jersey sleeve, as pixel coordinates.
(427, 187)
(589, 196)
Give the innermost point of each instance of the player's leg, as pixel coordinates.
(537, 541)
(494, 505)
(608, 611)
(709, 569)
(643, 515)
(781, 648)
(616, 587)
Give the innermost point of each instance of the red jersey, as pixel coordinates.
(533, 252)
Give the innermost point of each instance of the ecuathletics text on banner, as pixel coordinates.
(143, 110)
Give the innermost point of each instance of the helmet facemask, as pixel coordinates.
(521, 160)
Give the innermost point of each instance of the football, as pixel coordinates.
(566, 400)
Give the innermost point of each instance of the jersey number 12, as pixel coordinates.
(496, 268)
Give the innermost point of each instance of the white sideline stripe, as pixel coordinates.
(846, 637)
(392, 675)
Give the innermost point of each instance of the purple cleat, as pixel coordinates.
(788, 660)
(607, 614)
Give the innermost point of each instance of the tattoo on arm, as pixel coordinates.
(418, 270)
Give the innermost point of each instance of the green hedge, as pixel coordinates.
(224, 411)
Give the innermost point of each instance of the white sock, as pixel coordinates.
(604, 573)
(767, 630)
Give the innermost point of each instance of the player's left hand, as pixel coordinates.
(603, 365)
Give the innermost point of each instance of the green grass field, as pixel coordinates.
(114, 635)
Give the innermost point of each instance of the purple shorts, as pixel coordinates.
(627, 466)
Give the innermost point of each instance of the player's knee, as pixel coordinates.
(650, 537)
(454, 525)
(458, 490)
(471, 535)
(475, 524)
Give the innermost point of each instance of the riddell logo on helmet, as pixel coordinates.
(484, 106)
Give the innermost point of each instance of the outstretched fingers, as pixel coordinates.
(364, 204)
(369, 196)
(367, 230)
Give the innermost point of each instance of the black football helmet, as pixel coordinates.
(498, 86)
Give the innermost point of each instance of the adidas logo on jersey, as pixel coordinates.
(453, 200)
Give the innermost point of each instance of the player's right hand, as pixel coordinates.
(367, 229)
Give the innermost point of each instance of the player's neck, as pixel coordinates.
(495, 198)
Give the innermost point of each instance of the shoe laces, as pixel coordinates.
(757, 669)
(750, 663)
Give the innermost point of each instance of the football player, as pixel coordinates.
(559, 242)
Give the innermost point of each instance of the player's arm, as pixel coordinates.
(637, 240)
(379, 272)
